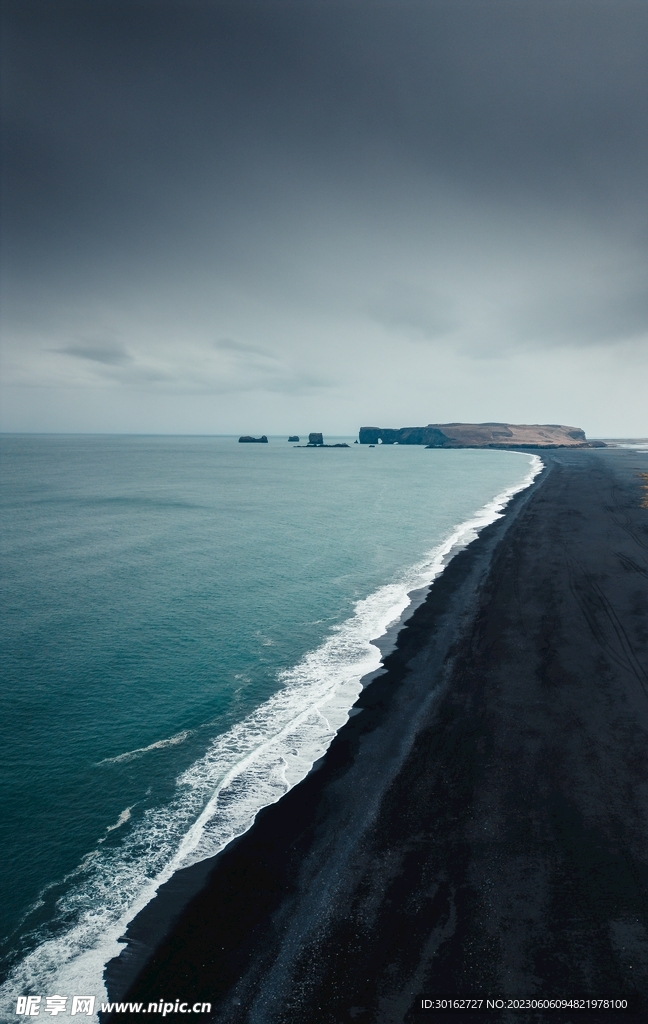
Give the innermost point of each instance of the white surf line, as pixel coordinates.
(192, 838)
(364, 663)
(76, 959)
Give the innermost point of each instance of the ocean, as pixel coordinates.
(186, 621)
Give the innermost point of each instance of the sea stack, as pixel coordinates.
(316, 439)
(247, 439)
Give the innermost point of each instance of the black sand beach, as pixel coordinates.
(480, 828)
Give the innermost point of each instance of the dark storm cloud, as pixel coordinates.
(123, 118)
(320, 184)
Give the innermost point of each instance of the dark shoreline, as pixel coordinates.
(484, 790)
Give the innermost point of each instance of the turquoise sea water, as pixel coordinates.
(185, 625)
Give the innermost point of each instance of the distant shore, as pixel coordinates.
(505, 436)
(480, 828)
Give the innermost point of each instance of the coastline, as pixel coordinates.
(207, 811)
(446, 600)
(410, 860)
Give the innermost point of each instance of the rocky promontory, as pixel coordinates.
(482, 435)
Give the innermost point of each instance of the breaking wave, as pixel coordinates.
(130, 755)
(247, 768)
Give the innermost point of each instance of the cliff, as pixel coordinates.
(482, 435)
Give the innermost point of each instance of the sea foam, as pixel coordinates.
(247, 768)
(130, 755)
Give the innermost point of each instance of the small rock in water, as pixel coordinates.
(293, 437)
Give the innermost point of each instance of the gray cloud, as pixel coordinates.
(240, 348)
(338, 193)
(414, 310)
(107, 353)
(584, 320)
(251, 368)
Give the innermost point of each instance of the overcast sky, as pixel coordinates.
(226, 217)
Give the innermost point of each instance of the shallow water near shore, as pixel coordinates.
(187, 624)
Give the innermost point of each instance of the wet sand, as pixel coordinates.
(480, 827)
